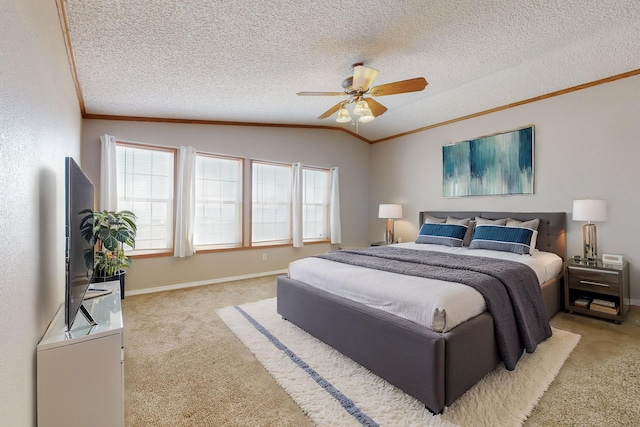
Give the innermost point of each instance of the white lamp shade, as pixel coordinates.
(343, 116)
(368, 117)
(390, 211)
(361, 108)
(589, 210)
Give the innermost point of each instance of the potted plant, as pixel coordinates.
(109, 233)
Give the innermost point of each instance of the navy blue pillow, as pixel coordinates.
(502, 238)
(442, 234)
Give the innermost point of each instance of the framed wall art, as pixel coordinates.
(490, 165)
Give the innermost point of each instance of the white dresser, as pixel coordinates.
(80, 375)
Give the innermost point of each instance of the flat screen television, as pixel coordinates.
(79, 251)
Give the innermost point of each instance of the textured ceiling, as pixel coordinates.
(244, 60)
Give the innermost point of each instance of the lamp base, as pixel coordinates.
(589, 242)
(389, 232)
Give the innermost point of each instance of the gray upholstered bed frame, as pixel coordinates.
(435, 368)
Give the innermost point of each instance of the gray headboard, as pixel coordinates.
(551, 232)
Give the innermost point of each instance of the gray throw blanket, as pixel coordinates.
(510, 289)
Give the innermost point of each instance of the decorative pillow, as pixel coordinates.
(452, 220)
(485, 221)
(470, 227)
(428, 219)
(442, 234)
(532, 224)
(503, 238)
(534, 240)
(469, 235)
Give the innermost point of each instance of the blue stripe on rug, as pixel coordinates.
(346, 403)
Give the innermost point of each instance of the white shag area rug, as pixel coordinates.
(333, 390)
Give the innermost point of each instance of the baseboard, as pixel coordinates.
(201, 283)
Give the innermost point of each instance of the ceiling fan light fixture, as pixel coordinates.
(357, 86)
(368, 117)
(361, 108)
(343, 115)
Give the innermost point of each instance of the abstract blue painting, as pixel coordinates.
(490, 165)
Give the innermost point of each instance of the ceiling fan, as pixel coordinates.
(357, 86)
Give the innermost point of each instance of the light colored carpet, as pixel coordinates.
(184, 367)
(334, 390)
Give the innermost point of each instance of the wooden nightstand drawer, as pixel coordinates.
(593, 285)
(593, 275)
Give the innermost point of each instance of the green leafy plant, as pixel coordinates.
(108, 232)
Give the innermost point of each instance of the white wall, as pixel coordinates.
(586, 146)
(313, 147)
(39, 126)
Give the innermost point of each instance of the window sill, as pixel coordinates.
(150, 253)
(210, 249)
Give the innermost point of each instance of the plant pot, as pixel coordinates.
(100, 276)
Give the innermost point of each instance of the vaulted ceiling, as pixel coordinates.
(245, 60)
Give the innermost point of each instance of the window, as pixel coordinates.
(218, 205)
(270, 203)
(146, 179)
(145, 187)
(315, 210)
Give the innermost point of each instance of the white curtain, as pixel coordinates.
(108, 174)
(296, 202)
(185, 202)
(334, 208)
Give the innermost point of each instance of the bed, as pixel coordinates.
(434, 367)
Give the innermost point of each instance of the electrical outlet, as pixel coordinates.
(264, 257)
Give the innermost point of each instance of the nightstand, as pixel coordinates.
(589, 281)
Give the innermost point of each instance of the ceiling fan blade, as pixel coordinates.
(320, 93)
(376, 108)
(330, 111)
(411, 85)
(363, 77)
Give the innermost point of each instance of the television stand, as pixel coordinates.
(80, 373)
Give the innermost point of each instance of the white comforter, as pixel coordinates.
(435, 304)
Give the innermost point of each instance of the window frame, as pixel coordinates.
(224, 246)
(328, 205)
(246, 203)
(270, 243)
(148, 253)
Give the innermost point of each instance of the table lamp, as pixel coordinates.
(390, 212)
(589, 210)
